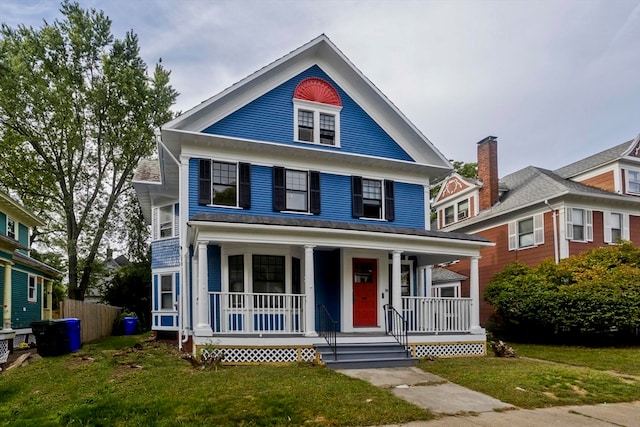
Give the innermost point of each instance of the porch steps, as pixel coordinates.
(365, 355)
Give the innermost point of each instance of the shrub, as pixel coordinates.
(593, 297)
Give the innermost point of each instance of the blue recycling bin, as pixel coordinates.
(130, 325)
(73, 331)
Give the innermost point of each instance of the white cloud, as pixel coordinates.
(555, 81)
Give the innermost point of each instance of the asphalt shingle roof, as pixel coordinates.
(440, 275)
(593, 161)
(318, 223)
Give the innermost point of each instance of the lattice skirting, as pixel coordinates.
(4, 351)
(240, 355)
(449, 349)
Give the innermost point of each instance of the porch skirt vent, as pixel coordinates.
(267, 354)
(4, 351)
(449, 350)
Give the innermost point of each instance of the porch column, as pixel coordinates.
(396, 279)
(474, 291)
(309, 292)
(203, 295)
(6, 308)
(48, 294)
(421, 280)
(428, 278)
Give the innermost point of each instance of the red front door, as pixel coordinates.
(365, 292)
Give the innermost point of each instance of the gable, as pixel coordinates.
(270, 118)
(452, 186)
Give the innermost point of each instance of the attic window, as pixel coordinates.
(317, 107)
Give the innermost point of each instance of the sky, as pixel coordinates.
(553, 80)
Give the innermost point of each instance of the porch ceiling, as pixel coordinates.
(432, 246)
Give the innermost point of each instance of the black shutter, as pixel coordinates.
(389, 201)
(245, 186)
(204, 182)
(357, 210)
(278, 189)
(314, 190)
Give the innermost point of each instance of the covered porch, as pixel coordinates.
(264, 282)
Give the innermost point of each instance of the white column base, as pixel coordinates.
(477, 330)
(311, 334)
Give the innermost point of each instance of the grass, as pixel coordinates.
(530, 384)
(623, 360)
(109, 383)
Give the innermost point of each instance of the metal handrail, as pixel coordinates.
(328, 328)
(396, 325)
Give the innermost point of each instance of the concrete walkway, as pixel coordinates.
(458, 406)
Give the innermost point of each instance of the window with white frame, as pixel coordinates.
(446, 290)
(32, 290)
(11, 228)
(616, 227)
(167, 285)
(372, 198)
(526, 232)
(224, 179)
(463, 209)
(449, 215)
(165, 224)
(633, 181)
(406, 278)
(268, 274)
(579, 224)
(456, 212)
(297, 190)
(317, 123)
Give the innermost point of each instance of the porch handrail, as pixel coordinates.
(328, 328)
(396, 325)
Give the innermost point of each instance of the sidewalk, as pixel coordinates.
(458, 406)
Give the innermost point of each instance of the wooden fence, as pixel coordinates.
(96, 320)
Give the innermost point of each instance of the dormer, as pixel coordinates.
(457, 200)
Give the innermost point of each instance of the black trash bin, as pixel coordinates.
(52, 338)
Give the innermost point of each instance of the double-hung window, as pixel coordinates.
(372, 198)
(463, 209)
(296, 191)
(224, 184)
(449, 215)
(32, 290)
(579, 224)
(268, 274)
(526, 232)
(633, 182)
(616, 227)
(166, 291)
(166, 221)
(316, 112)
(11, 228)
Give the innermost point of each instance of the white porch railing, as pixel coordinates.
(240, 313)
(438, 315)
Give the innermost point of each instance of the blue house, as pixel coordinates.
(296, 203)
(25, 283)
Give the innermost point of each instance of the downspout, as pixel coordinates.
(555, 231)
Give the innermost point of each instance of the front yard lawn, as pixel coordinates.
(624, 360)
(109, 383)
(536, 384)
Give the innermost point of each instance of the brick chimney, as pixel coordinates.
(488, 171)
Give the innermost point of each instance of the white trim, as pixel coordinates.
(307, 156)
(627, 180)
(317, 108)
(159, 275)
(346, 297)
(35, 288)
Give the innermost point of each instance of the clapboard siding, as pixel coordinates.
(335, 199)
(214, 268)
(22, 311)
(270, 118)
(604, 180)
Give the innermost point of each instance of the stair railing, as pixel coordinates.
(396, 325)
(328, 328)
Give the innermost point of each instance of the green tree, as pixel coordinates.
(130, 288)
(78, 110)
